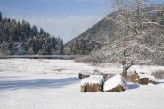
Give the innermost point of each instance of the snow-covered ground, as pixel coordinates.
(53, 84)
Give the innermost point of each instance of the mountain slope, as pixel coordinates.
(92, 39)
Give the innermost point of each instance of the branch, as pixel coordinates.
(154, 23)
(125, 18)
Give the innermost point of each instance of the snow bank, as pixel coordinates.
(114, 82)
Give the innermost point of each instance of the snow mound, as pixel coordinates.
(114, 82)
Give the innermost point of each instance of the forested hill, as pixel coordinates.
(20, 38)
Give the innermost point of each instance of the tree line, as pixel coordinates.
(20, 38)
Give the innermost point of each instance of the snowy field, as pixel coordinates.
(53, 84)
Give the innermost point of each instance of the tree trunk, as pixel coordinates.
(124, 74)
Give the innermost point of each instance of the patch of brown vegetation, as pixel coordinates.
(145, 81)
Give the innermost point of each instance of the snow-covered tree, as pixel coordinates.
(136, 20)
(30, 51)
(4, 48)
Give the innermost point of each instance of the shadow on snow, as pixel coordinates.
(36, 83)
(159, 82)
(133, 86)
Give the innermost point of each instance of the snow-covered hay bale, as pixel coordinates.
(141, 78)
(133, 77)
(142, 74)
(91, 88)
(83, 75)
(115, 84)
(92, 84)
(146, 81)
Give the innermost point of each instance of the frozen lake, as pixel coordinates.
(62, 57)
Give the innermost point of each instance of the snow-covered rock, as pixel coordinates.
(115, 84)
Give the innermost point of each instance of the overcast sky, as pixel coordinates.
(65, 18)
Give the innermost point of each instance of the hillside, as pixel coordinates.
(20, 38)
(144, 47)
(94, 38)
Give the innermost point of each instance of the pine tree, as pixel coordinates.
(0, 16)
(30, 51)
(34, 31)
(61, 47)
(5, 48)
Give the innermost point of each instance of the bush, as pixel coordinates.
(159, 74)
